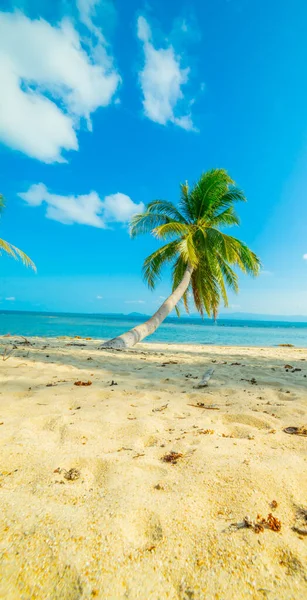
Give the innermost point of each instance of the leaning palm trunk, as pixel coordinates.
(138, 333)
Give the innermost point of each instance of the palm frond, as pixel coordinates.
(229, 274)
(17, 254)
(211, 186)
(234, 251)
(163, 207)
(185, 203)
(174, 228)
(145, 222)
(155, 261)
(232, 195)
(205, 287)
(226, 218)
(188, 250)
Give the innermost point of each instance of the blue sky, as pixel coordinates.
(108, 105)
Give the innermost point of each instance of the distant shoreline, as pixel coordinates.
(193, 318)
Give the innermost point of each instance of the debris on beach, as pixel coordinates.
(72, 474)
(205, 431)
(286, 345)
(8, 352)
(205, 379)
(207, 406)
(300, 524)
(24, 342)
(272, 522)
(302, 430)
(253, 381)
(169, 362)
(172, 457)
(260, 523)
(160, 408)
(83, 383)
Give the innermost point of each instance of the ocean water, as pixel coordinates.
(189, 331)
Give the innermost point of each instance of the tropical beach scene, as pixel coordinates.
(153, 300)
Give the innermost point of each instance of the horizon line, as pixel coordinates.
(256, 316)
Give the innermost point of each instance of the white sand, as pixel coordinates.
(132, 526)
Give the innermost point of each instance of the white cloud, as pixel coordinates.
(99, 297)
(10, 299)
(161, 79)
(134, 301)
(87, 10)
(305, 256)
(104, 10)
(119, 207)
(87, 209)
(49, 82)
(266, 273)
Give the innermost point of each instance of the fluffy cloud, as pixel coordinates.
(305, 256)
(161, 80)
(87, 10)
(87, 209)
(119, 207)
(49, 82)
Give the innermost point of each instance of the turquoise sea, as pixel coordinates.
(184, 330)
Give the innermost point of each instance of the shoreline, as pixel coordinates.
(146, 345)
(90, 507)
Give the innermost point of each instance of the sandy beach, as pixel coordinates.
(93, 503)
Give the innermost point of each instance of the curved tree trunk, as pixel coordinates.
(130, 338)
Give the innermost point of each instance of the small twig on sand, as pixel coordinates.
(25, 342)
(207, 406)
(160, 408)
(7, 353)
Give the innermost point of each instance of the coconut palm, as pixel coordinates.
(12, 250)
(202, 256)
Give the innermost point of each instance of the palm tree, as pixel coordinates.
(202, 256)
(12, 250)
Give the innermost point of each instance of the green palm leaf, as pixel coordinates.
(17, 254)
(154, 263)
(170, 229)
(13, 250)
